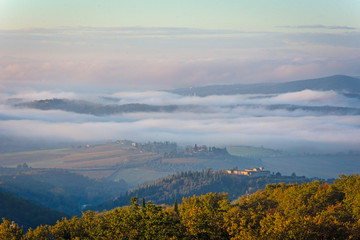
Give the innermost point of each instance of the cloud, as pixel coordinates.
(105, 75)
(315, 98)
(302, 98)
(320, 27)
(122, 31)
(34, 95)
(161, 58)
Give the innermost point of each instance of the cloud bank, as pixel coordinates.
(216, 120)
(320, 27)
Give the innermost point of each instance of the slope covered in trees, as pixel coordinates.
(185, 184)
(25, 213)
(56, 188)
(313, 210)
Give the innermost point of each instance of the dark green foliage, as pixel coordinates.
(176, 206)
(313, 210)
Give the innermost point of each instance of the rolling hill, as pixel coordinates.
(338, 83)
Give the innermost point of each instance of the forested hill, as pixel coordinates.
(185, 184)
(97, 109)
(337, 83)
(313, 210)
(25, 213)
(56, 188)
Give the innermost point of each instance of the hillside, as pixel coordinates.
(26, 213)
(121, 160)
(313, 210)
(186, 184)
(57, 189)
(338, 83)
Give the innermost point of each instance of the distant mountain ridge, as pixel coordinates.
(338, 83)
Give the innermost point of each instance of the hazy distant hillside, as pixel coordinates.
(338, 83)
(26, 213)
(57, 189)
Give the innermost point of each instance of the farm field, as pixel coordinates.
(93, 161)
(119, 160)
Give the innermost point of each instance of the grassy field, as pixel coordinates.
(99, 161)
(74, 158)
(115, 161)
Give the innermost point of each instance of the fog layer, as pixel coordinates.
(212, 120)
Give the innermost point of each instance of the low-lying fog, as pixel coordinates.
(213, 120)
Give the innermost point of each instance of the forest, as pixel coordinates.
(185, 184)
(315, 210)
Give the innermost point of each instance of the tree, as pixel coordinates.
(203, 216)
(143, 203)
(9, 230)
(176, 207)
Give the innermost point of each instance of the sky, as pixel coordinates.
(132, 45)
(131, 50)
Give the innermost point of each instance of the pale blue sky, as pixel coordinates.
(163, 44)
(259, 15)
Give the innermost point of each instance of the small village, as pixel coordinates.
(253, 172)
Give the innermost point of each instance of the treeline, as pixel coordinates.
(185, 184)
(313, 210)
(157, 147)
(97, 109)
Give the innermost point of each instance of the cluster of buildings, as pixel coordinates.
(255, 172)
(196, 149)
